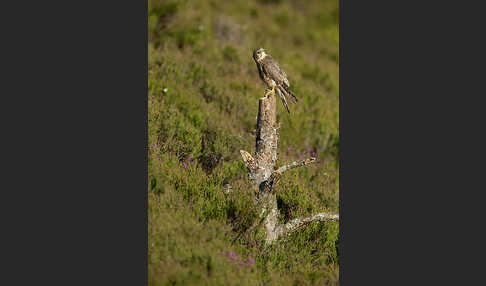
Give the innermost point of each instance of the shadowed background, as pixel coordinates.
(202, 102)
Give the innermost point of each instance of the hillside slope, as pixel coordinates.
(202, 103)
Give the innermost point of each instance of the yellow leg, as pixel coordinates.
(271, 91)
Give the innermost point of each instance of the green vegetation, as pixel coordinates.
(202, 104)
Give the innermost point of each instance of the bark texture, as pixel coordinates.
(264, 177)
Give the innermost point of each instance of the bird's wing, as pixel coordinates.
(260, 71)
(273, 69)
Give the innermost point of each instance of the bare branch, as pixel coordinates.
(296, 164)
(297, 223)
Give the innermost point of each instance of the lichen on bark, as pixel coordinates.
(264, 177)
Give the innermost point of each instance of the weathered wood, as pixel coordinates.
(266, 138)
(296, 164)
(264, 177)
(297, 223)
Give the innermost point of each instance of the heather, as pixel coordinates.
(202, 103)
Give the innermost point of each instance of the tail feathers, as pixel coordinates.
(284, 100)
(289, 92)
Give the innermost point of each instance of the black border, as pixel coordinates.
(406, 104)
(81, 143)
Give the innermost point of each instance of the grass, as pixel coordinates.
(203, 99)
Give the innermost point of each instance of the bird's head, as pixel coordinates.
(259, 54)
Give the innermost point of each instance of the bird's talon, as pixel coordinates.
(271, 91)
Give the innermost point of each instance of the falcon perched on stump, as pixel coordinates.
(273, 76)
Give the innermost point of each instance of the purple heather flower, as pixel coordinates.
(288, 149)
(251, 261)
(232, 255)
(154, 147)
(310, 184)
(222, 252)
(243, 263)
(313, 154)
(185, 165)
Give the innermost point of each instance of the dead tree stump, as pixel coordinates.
(264, 177)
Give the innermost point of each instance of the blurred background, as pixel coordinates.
(202, 103)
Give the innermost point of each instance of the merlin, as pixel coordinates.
(273, 76)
